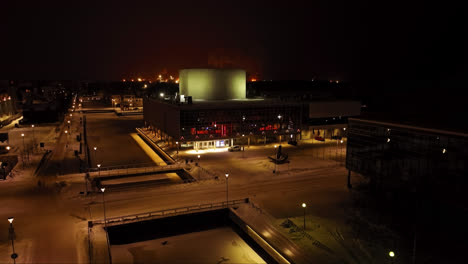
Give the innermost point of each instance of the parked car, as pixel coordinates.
(292, 142)
(336, 137)
(319, 138)
(234, 148)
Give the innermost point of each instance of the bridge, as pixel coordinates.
(120, 220)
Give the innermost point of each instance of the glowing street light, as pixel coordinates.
(227, 189)
(304, 206)
(99, 170)
(177, 143)
(11, 233)
(105, 222)
(391, 254)
(95, 154)
(24, 148)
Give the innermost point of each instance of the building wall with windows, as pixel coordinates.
(221, 120)
(401, 157)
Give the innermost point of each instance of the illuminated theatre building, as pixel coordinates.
(212, 111)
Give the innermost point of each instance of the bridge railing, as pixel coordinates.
(167, 212)
(131, 169)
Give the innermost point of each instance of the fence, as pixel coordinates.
(143, 168)
(166, 213)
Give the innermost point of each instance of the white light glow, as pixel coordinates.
(203, 151)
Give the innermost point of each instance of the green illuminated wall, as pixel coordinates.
(213, 84)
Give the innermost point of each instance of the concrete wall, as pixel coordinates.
(334, 109)
(213, 84)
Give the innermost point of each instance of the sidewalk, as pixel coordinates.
(262, 224)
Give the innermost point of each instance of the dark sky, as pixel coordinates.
(346, 40)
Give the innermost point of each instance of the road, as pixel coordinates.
(111, 134)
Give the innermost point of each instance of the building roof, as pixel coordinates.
(232, 104)
(415, 125)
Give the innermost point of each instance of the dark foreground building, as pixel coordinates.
(403, 157)
(418, 181)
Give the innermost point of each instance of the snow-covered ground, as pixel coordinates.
(220, 245)
(51, 222)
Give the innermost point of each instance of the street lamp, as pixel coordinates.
(99, 170)
(276, 157)
(95, 154)
(279, 137)
(24, 148)
(177, 143)
(341, 150)
(392, 255)
(105, 222)
(34, 138)
(227, 189)
(12, 237)
(198, 162)
(304, 206)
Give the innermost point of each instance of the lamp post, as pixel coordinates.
(99, 170)
(95, 155)
(199, 167)
(105, 222)
(341, 150)
(276, 157)
(227, 189)
(177, 143)
(24, 148)
(242, 145)
(12, 237)
(34, 138)
(304, 206)
(279, 137)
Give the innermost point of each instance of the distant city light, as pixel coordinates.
(139, 79)
(388, 139)
(444, 150)
(161, 94)
(391, 254)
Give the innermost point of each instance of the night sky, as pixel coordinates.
(345, 40)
